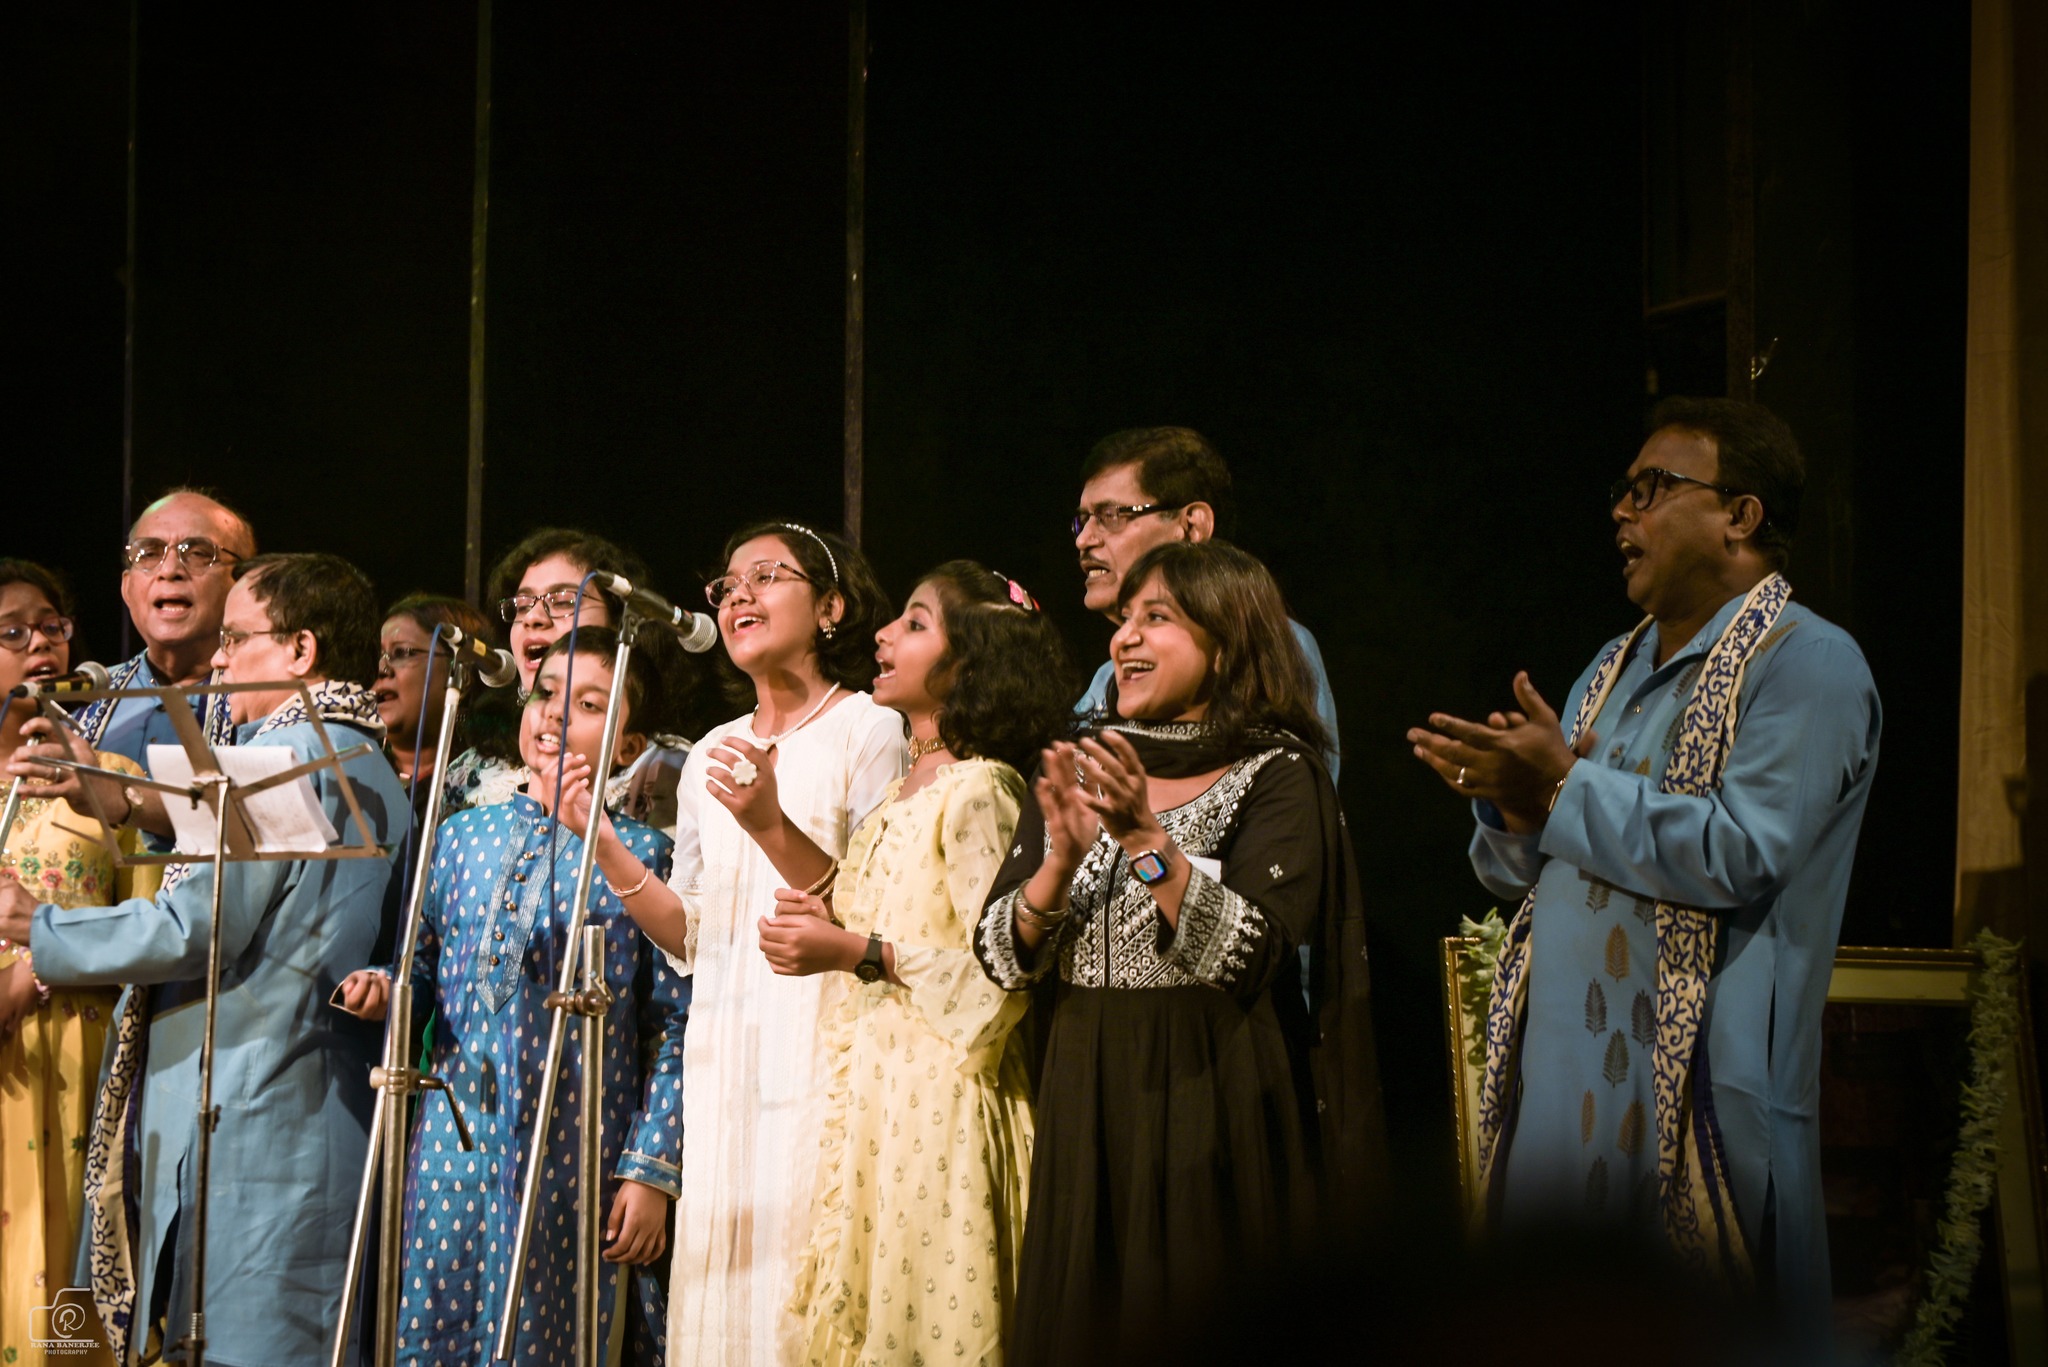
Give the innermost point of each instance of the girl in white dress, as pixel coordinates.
(766, 802)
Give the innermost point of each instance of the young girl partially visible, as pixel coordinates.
(497, 911)
(927, 1134)
(766, 802)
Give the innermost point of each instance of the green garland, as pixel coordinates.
(1475, 976)
(1973, 1177)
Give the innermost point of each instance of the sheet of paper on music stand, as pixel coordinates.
(285, 820)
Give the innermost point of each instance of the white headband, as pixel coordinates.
(830, 559)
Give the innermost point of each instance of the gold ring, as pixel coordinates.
(1461, 776)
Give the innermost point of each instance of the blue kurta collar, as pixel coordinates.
(1701, 642)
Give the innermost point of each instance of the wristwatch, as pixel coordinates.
(1150, 867)
(869, 969)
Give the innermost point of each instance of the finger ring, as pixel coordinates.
(1461, 776)
(744, 773)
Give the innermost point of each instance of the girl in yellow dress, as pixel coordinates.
(50, 1040)
(927, 1136)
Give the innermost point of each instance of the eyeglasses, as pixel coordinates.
(402, 658)
(559, 604)
(195, 553)
(759, 576)
(1113, 518)
(1643, 488)
(53, 629)
(231, 638)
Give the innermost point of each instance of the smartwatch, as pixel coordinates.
(869, 969)
(1150, 867)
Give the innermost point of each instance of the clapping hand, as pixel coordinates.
(1070, 822)
(1514, 759)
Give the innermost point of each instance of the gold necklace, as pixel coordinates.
(920, 748)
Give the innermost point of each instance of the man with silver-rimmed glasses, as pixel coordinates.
(176, 571)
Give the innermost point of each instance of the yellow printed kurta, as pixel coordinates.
(49, 1072)
(927, 1137)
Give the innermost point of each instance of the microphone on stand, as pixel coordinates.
(697, 632)
(83, 679)
(494, 667)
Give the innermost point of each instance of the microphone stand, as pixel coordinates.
(589, 1004)
(397, 1082)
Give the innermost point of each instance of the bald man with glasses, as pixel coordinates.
(176, 571)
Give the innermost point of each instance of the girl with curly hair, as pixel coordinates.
(915, 1228)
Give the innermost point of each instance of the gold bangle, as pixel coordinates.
(623, 893)
(1557, 792)
(825, 880)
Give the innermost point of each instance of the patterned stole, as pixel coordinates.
(1694, 1199)
(112, 1165)
(92, 719)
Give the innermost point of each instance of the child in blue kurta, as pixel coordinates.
(496, 917)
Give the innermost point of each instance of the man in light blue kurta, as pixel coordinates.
(291, 1073)
(1704, 520)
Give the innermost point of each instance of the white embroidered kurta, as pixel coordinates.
(753, 1077)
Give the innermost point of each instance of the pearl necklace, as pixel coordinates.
(744, 772)
(809, 717)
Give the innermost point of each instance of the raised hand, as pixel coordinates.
(1514, 759)
(1070, 822)
(574, 774)
(756, 804)
(1114, 787)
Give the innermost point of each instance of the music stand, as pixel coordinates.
(235, 839)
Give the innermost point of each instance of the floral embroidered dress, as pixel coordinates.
(49, 1070)
(927, 1130)
(489, 954)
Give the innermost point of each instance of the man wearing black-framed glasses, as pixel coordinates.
(1681, 845)
(176, 569)
(1146, 486)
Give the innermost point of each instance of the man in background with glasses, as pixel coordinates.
(1146, 486)
(1683, 839)
(176, 571)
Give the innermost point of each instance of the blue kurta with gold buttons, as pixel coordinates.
(490, 951)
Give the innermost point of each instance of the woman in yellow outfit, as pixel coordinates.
(50, 1040)
(927, 1131)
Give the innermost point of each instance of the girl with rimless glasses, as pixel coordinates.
(766, 803)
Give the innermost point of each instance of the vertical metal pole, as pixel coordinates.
(1741, 317)
(563, 1003)
(590, 1210)
(195, 1342)
(856, 259)
(128, 317)
(479, 239)
(396, 1081)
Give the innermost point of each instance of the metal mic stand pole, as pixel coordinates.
(565, 1001)
(397, 1081)
(12, 810)
(195, 1340)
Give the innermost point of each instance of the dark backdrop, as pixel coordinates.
(1393, 267)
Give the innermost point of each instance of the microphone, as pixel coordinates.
(83, 679)
(494, 667)
(697, 631)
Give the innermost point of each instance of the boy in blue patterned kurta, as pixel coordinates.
(497, 911)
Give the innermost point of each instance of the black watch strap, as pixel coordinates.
(870, 967)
